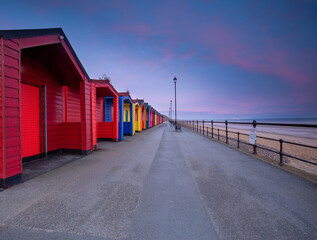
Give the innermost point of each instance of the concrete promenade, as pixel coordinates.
(162, 185)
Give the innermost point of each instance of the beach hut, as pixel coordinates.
(147, 115)
(155, 118)
(45, 99)
(104, 111)
(137, 116)
(142, 106)
(152, 117)
(125, 114)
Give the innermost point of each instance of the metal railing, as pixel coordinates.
(214, 132)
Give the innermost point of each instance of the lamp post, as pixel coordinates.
(171, 111)
(175, 80)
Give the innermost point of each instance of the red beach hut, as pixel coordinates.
(45, 96)
(104, 111)
(151, 117)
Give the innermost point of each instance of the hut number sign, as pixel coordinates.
(252, 136)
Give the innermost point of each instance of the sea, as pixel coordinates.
(303, 132)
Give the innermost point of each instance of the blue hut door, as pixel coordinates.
(108, 109)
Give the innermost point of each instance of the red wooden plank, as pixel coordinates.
(11, 102)
(13, 141)
(11, 52)
(11, 72)
(12, 44)
(13, 161)
(12, 121)
(39, 41)
(16, 40)
(12, 132)
(14, 170)
(11, 93)
(13, 151)
(71, 146)
(12, 62)
(11, 82)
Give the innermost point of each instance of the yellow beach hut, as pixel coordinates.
(137, 116)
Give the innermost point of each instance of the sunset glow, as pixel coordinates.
(233, 59)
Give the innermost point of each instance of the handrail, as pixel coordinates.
(195, 125)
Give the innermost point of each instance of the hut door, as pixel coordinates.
(30, 120)
(126, 115)
(108, 109)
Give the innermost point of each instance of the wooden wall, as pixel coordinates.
(70, 135)
(115, 118)
(2, 173)
(100, 109)
(10, 108)
(85, 115)
(105, 130)
(93, 114)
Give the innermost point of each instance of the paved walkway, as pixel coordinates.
(161, 185)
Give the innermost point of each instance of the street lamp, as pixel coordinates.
(171, 111)
(175, 80)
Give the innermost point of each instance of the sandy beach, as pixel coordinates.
(297, 135)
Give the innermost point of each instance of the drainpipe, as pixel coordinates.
(45, 120)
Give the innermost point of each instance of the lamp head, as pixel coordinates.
(174, 79)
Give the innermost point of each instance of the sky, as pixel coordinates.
(233, 59)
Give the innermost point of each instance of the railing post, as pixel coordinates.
(226, 122)
(281, 153)
(203, 127)
(218, 134)
(197, 125)
(207, 131)
(212, 128)
(254, 145)
(238, 140)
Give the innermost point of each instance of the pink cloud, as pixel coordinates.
(141, 30)
(188, 55)
(231, 48)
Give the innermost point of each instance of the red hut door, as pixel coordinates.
(30, 120)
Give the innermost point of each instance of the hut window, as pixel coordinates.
(64, 103)
(136, 114)
(126, 115)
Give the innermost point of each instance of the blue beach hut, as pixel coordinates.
(125, 115)
(147, 115)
